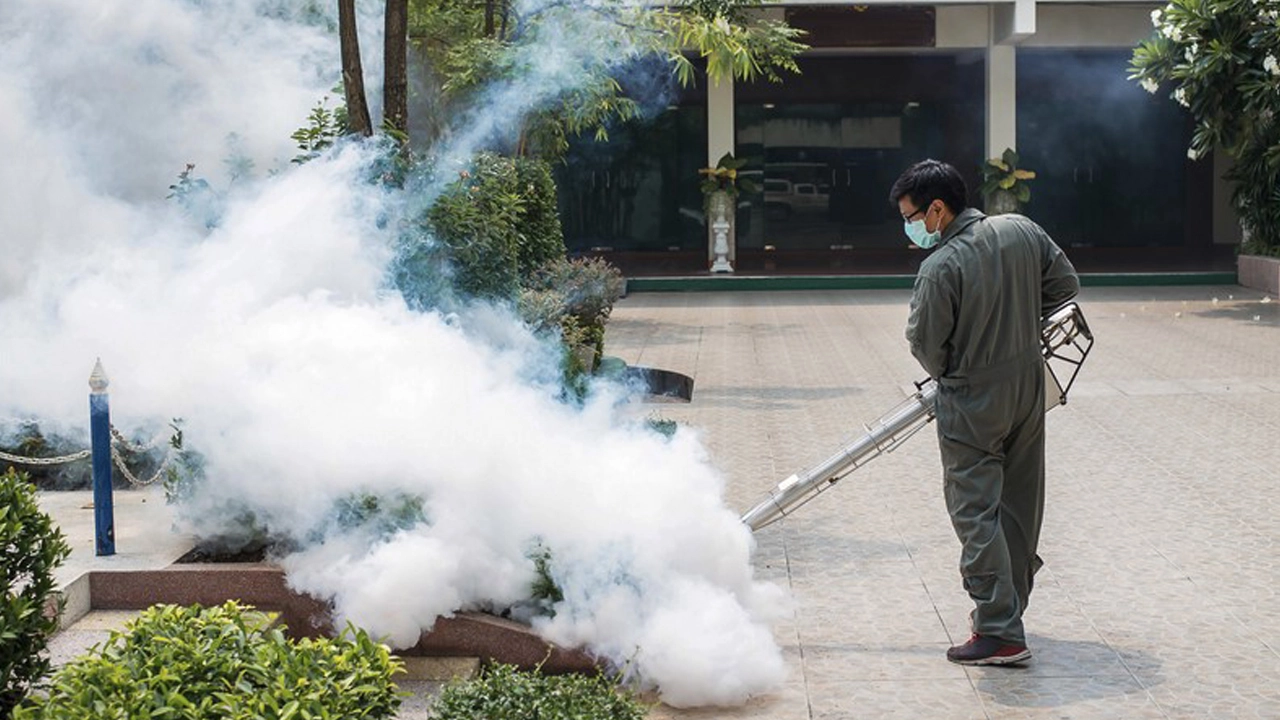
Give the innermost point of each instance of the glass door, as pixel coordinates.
(829, 143)
(799, 151)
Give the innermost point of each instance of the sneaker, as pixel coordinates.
(981, 650)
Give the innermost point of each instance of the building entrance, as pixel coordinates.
(827, 145)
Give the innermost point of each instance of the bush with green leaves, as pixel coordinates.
(220, 663)
(590, 287)
(504, 692)
(494, 225)
(1222, 60)
(573, 298)
(476, 219)
(323, 128)
(663, 426)
(33, 548)
(541, 237)
(380, 516)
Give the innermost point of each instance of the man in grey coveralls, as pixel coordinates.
(974, 326)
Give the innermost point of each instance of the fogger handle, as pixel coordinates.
(1066, 339)
(881, 436)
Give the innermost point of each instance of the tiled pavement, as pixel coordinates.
(1163, 524)
(1159, 594)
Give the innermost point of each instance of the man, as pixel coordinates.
(974, 326)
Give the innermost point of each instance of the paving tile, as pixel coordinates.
(943, 699)
(1022, 695)
(71, 644)
(417, 699)
(1234, 696)
(787, 703)
(105, 620)
(831, 663)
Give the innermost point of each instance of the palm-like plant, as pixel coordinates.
(724, 176)
(1002, 174)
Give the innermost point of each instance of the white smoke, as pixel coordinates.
(304, 380)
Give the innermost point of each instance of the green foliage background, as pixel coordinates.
(221, 663)
(1222, 60)
(506, 693)
(33, 548)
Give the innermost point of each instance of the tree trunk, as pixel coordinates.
(395, 84)
(488, 18)
(352, 73)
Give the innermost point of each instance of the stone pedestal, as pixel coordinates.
(720, 231)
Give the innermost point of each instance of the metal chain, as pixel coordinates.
(45, 461)
(115, 455)
(120, 438)
(124, 470)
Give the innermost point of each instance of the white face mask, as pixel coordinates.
(921, 237)
(918, 234)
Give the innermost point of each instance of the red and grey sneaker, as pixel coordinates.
(982, 650)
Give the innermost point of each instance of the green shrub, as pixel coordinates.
(541, 237)
(544, 589)
(323, 128)
(663, 426)
(1222, 60)
(543, 309)
(505, 693)
(590, 287)
(33, 548)
(380, 515)
(476, 219)
(224, 663)
(498, 223)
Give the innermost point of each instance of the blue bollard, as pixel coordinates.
(104, 522)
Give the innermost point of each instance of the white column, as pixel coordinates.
(1011, 23)
(719, 120)
(720, 140)
(1002, 94)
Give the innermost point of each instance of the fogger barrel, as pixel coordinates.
(1065, 342)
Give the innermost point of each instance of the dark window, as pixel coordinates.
(1110, 159)
(830, 143)
(639, 190)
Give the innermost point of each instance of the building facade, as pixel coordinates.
(883, 86)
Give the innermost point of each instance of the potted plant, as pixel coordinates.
(1220, 59)
(724, 177)
(1004, 185)
(720, 187)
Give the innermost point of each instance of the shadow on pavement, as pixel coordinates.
(1069, 672)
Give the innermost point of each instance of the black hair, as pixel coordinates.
(930, 180)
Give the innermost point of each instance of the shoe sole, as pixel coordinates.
(997, 659)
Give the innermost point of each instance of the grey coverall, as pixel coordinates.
(975, 327)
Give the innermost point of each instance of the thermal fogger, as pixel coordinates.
(1065, 343)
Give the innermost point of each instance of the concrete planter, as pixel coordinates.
(1001, 202)
(1259, 273)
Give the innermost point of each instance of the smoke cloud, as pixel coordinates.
(304, 380)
